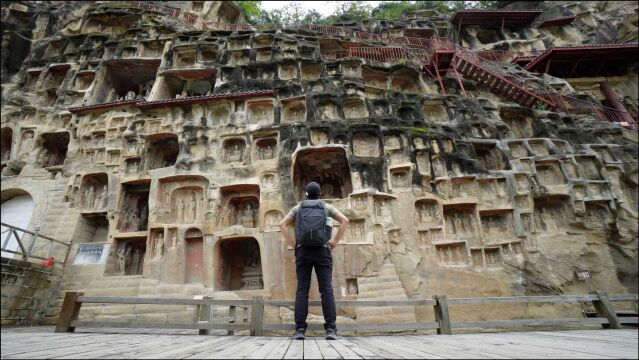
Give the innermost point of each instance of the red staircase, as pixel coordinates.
(499, 81)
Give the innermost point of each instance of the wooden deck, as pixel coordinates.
(42, 342)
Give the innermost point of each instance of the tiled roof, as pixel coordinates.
(143, 104)
(548, 52)
(107, 105)
(202, 98)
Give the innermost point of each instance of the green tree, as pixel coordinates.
(351, 10)
(251, 10)
(395, 9)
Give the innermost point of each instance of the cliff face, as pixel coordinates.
(166, 141)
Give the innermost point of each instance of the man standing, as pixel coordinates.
(313, 247)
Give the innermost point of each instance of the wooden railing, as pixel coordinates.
(602, 302)
(27, 250)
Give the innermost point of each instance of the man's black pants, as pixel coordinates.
(307, 258)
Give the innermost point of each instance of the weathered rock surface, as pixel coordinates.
(166, 147)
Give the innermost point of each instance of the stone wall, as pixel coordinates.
(29, 293)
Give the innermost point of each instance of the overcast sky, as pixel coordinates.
(323, 7)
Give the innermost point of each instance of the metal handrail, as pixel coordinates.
(27, 252)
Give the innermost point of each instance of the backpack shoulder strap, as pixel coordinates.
(312, 204)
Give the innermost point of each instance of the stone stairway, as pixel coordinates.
(60, 218)
(386, 286)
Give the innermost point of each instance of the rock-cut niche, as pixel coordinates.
(326, 166)
(239, 265)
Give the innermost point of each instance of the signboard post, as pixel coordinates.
(584, 275)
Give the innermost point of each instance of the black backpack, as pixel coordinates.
(310, 224)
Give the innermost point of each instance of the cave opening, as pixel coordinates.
(326, 166)
(239, 265)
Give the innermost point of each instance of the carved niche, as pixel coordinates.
(497, 225)
(260, 112)
(269, 182)
(26, 142)
(452, 254)
(234, 150)
(460, 222)
(365, 144)
(266, 148)
(428, 213)
(272, 220)
(94, 192)
(187, 205)
(294, 110)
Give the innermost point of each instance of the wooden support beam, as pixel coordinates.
(204, 314)
(69, 312)
(442, 315)
(233, 315)
(604, 309)
(257, 316)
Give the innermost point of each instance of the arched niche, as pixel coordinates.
(238, 264)
(239, 205)
(328, 166)
(193, 256)
(169, 208)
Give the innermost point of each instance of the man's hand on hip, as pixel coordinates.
(332, 244)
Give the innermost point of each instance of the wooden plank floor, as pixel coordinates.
(42, 342)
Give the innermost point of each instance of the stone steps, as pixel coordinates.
(394, 293)
(381, 286)
(377, 279)
(386, 286)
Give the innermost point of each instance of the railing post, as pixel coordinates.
(233, 315)
(604, 308)
(204, 314)
(441, 315)
(25, 257)
(34, 238)
(69, 312)
(257, 315)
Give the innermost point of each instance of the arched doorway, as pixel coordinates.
(17, 207)
(194, 243)
(239, 265)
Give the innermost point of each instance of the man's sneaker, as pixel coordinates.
(299, 334)
(331, 334)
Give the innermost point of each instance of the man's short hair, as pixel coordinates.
(313, 190)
